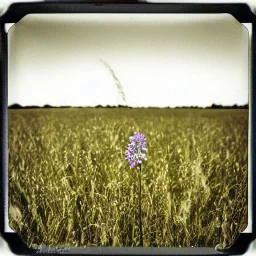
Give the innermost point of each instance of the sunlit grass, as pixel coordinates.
(69, 182)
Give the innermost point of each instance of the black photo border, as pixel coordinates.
(17, 11)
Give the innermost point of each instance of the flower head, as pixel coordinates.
(136, 151)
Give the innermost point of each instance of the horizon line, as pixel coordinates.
(18, 106)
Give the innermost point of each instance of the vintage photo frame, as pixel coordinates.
(17, 11)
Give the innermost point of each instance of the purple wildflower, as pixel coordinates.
(136, 151)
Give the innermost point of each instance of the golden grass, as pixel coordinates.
(69, 182)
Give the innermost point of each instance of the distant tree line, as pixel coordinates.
(216, 106)
(234, 106)
(213, 106)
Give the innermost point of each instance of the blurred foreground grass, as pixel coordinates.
(69, 182)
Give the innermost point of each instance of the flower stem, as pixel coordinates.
(141, 235)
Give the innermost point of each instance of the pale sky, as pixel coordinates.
(160, 60)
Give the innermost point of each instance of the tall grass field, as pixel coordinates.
(70, 184)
